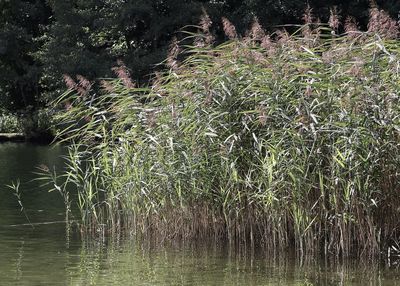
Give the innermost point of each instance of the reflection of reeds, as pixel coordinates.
(285, 140)
(205, 264)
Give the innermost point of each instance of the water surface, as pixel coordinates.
(44, 255)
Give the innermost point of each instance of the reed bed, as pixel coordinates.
(284, 140)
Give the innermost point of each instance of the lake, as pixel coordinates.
(45, 255)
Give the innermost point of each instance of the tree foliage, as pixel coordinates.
(20, 25)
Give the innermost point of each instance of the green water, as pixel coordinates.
(45, 256)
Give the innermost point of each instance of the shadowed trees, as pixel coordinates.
(40, 40)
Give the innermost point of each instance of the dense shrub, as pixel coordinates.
(8, 123)
(38, 125)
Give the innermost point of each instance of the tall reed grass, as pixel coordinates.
(284, 140)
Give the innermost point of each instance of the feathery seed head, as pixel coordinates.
(380, 22)
(351, 27)
(334, 19)
(308, 16)
(172, 58)
(123, 74)
(69, 82)
(84, 85)
(205, 22)
(229, 29)
(107, 86)
(257, 33)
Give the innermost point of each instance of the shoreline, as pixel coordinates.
(20, 138)
(12, 137)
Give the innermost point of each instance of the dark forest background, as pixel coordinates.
(40, 40)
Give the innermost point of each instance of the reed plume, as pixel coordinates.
(229, 29)
(123, 74)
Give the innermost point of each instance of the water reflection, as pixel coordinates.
(18, 162)
(40, 256)
(129, 263)
(19, 262)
